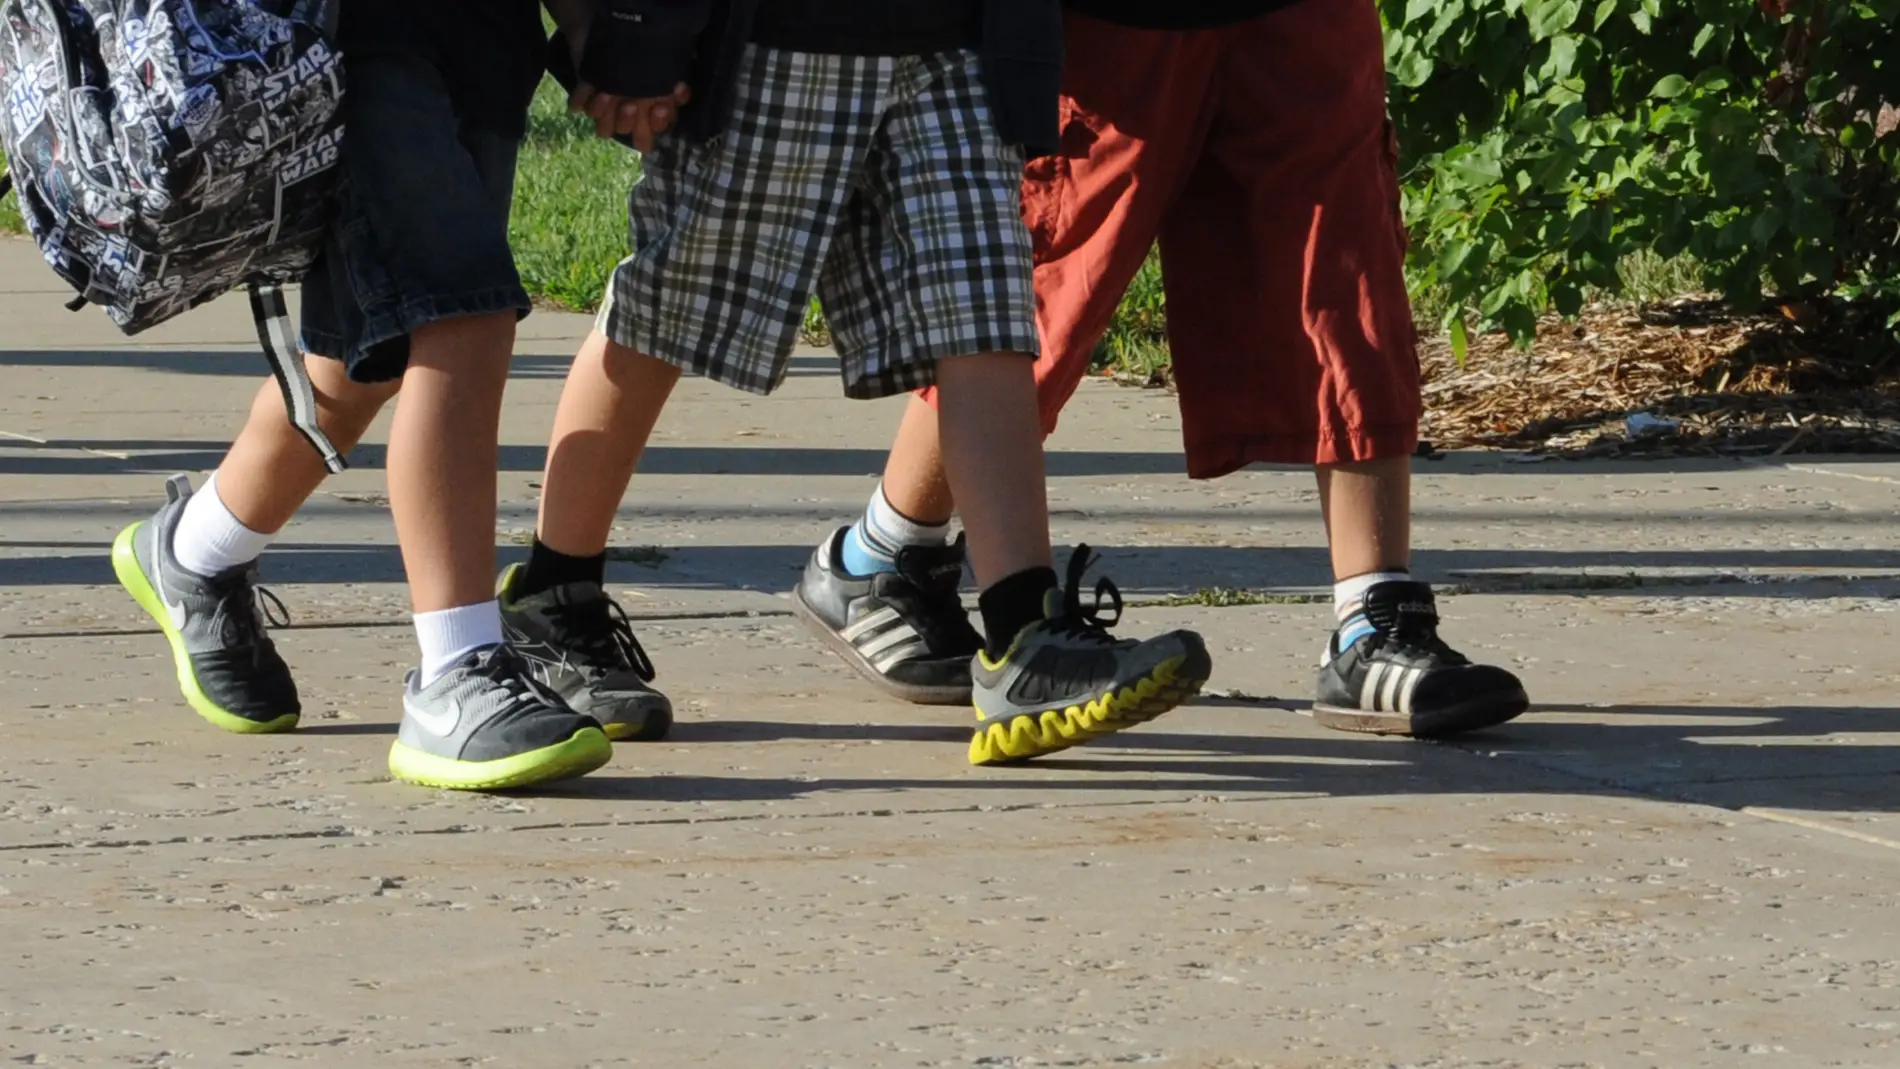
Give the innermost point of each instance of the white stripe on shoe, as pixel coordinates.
(872, 646)
(874, 622)
(1388, 688)
(1369, 690)
(1389, 685)
(909, 651)
(1412, 677)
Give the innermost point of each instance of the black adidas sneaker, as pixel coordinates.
(1401, 679)
(906, 631)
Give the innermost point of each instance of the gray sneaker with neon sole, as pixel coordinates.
(486, 724)
(228, 668)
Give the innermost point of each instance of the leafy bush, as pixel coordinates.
(10, 221)
(1546, 142)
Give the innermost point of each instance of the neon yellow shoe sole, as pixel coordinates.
(583, 752)
(125, 564)
(1053, 730)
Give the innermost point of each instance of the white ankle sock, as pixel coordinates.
(874, 541)
(209, 540)
(449, 635)
(1350, 594)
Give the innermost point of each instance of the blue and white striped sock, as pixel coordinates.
(871, 545)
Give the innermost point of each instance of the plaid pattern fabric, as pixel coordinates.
(878, 182)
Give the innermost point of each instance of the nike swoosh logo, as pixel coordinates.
(175, 610)
(442, 724)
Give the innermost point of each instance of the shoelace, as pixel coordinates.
(505, 669)
(1092, 621)
(603, 635)
(1417, 640)
(245, 610)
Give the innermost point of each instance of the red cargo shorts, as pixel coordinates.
(1260, 157)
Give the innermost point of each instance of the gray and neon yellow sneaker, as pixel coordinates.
(228, 668)
(1066, 680)
(577, 641)
(487, 725)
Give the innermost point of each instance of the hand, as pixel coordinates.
(641, 119)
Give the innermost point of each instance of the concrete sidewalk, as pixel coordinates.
(1686, 855)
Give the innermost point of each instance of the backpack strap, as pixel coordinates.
(286, 363)
(280, 348)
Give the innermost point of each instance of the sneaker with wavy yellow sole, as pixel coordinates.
(1066, 679)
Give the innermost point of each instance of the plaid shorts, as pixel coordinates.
(878, 182)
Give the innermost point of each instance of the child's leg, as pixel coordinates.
(556, 607)
(992, 456)
(1367, 507)
(193, 564)
(932, 277)
(727, 257)
(1093, 213)
(1293, 343)
(609, 407)
(443, 496)
(912, 505)
(271, 470)
(420, 285)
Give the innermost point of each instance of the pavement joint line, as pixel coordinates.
(366, 624)
(1811, 469)
(1782, 816)
(1686, 796)
(1246, 599)
(110, 454)
(594, 825)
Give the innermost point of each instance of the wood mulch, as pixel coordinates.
(1685, 378)
(1688, 378)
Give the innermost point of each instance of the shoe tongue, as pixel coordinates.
(1402, 608)
(1054, 604)
(244, 574)
(937, 568)
(577, 593)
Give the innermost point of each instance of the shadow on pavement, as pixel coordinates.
(1578, 758)
(1140, 571)
(161, 458)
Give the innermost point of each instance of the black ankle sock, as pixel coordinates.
(1013, 604)
(549, 568)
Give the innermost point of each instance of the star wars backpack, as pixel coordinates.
(165, 152)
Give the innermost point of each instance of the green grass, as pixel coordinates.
(1137, 340)
(1220, 597)
(570, 213)
(10, 221)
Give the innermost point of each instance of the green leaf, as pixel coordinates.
(1702, 39)
(1670, 87)
(1562, 59)
(1551, 17)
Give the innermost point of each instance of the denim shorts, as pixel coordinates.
(421, 234)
